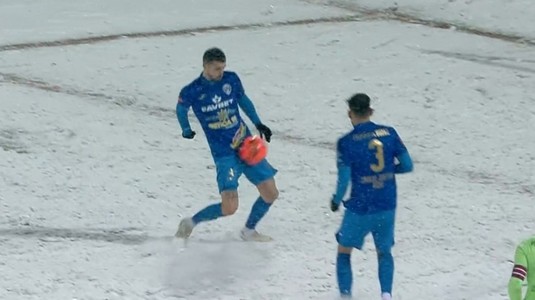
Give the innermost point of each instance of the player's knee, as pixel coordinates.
(229, 202)
(345, 250)
(271, 195)
(268, 190)
(229, 207)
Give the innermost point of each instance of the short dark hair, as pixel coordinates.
(359, 104)
(213, 54)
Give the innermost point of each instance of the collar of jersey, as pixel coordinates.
(362, 125)
(205, 81)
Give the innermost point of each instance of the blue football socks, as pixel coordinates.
(211, 212)
(344, 273)
(260, 208)
(386, 272)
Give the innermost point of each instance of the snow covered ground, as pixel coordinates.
(500, 16)
(95, 176)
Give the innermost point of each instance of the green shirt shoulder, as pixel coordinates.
(524, 268)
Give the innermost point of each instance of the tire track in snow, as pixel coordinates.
(171, 33)
(393, 14)
(359, 15)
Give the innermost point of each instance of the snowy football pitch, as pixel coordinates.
(95, 176)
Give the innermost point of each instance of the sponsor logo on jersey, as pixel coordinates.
(224, 120)
(217, 104)
(216, 99)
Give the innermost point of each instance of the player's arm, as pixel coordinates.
(404, 164)
(343, 178)
(520, 271)
(182, 108)
(248, 108)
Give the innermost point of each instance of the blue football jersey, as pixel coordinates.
(370, 151)
(215, 104)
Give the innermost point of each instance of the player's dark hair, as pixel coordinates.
(213, 54)
(360, 104)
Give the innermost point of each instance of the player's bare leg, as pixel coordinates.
(344, 273)
(345, 250)
(268, 194)
(229, 202)
(268, 190)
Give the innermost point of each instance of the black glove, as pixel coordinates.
(264, 131)
(334, 206)
(189, 134)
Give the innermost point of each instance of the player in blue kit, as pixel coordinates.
(215, 98)
(369, 156)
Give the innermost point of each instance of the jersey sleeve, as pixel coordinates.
(184, 98)
(518, 275)
(182, 108)
(248, 107)
(342, 157)
(344, 173)
(237, 86)
(399, 146)
(244, 102)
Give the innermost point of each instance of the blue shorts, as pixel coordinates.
(230, 168)
(355, 227)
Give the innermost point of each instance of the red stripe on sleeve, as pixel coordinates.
(519, 272)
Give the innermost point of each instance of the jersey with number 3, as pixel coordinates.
(370, 150)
